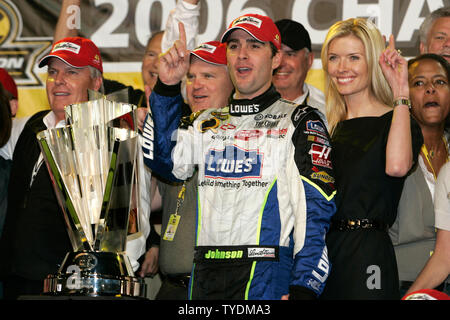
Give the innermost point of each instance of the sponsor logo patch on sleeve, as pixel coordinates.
(320, 155)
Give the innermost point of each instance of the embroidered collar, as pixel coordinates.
(239, 107)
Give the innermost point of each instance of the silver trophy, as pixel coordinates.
(94, 168)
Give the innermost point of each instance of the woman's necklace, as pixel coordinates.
(429, 156)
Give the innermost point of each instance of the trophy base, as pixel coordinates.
(89, 273)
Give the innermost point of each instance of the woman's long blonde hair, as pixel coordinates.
(374, 44)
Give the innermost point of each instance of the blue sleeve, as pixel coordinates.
(311, 264)
(313, 160)
(159, 127)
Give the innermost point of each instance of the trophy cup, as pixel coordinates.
(94, 169)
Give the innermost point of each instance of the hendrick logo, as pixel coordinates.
(19, 55)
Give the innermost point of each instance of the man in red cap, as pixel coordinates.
(208, 85)
(265, 179)
(11, 90)
(258, 38)
(74, 66)
(186, 11)
(35, 240)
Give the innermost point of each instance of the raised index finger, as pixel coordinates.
(182, 32)
(180, 44)
(391, 44)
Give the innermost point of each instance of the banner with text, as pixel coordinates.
(121, 28)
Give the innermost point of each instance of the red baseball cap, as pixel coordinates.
(77, 52)
(213, 52)
(8, 82)
(260, 27)
(426, 294)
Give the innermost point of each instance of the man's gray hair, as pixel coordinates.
(429, 20)
(95, 73)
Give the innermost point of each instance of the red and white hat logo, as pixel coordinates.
(77, 52)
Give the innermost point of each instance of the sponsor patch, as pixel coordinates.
(97, 59)
(299, 113)
(68, 46)
(244, 108)
(221, 137)
(248, 134)
(206, 47)
(318, 139)
(261, 252)
(320, 155)
(315, 126)
(277, 133)
(250, 20)
(261, 116)
(209, 124)
(219, 115)
(241, 253)
(233, 163)
(227, 126)
(266, 124)
(148, 138)
(224, 254)
(322, 176)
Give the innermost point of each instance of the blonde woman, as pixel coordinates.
(374, 146)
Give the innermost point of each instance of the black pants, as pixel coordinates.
(172, 290)
(221, 281)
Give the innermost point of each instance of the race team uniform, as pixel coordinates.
(265, 192)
